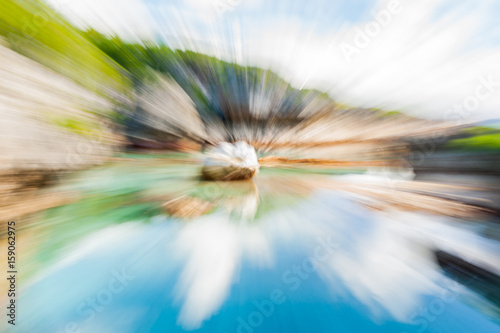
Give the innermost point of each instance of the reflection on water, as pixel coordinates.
(148, 247)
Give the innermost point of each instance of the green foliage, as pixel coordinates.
(391, 113)
(101, 63)
(477, 138)
(77, 126)
(218, 88)
(38, 32)
(486, 142)
(132, 57)
(479, 130)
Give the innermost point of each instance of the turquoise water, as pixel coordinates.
(276, 254)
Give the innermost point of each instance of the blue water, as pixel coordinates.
(311, 261)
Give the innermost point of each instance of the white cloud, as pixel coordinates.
(212, 248)
(416, 63)
(419, 63)
(130, 19)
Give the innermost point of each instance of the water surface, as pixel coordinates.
(275, 254)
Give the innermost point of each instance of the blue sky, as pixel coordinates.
(428, 60)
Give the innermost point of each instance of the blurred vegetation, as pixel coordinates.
(213, 84)
(219, 89)
(77, 126)
(479, 130)
(477, 138)
(111, 67)
(35, 30)
(389, 113)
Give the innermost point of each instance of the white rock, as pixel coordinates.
(228, 161)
